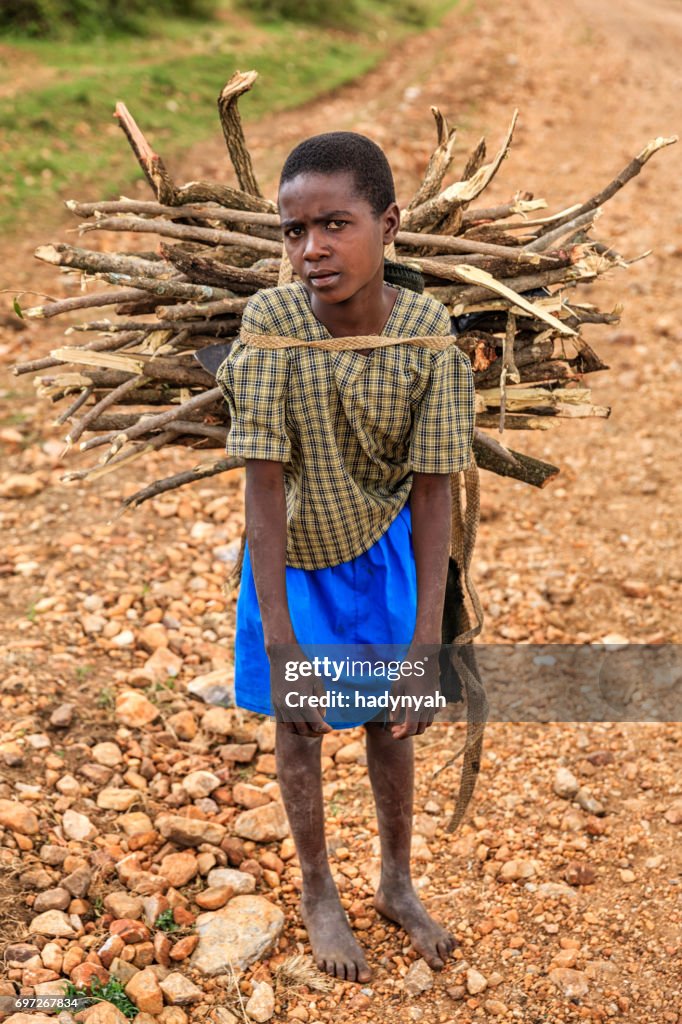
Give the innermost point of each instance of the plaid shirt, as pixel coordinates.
(350, 429)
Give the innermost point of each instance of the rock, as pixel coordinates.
(108, 754)
(72, 957)
(18, 818)
(565, 784)
(213, 688)
(153, 907)
(419, 978)
(249, 796)
(635, 588)
(162, 665)
(62, 717)
(30, 1018)
(77, 826)
(162, 948)
(22, 954)
(588, 802)
(78, 882)
(475, 982)
(261, 1003)
(242, 932)
(265, 737)
(172, 1015)
(179, 990)
(200, 784)
(179, 868)
(135, 823)
(237, 753)
(83, 974)
(120, 904)
(21, 485)
(68, 786)
(153, 636)
(215, 897)
(105, 1013)
(262, 824)
(52, 899)
(577, 873)
(52, 957)
(351, 753)
(122, 970)
(54, 923)
(241, 882)
(110, 949)
(134, 709)
(183, 947)
(37, 878)
(129, 930)
(572, 984)
(52, 855)
(673, 814)
(555, 890)
(118, 799)
(190, 831)
(183, 724)
(513, 870)
(145, 992)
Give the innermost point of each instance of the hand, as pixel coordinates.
(295, 696)
(419, 692)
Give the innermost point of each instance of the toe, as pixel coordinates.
(351, 972)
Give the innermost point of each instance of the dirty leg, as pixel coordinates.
(334, 947)
(391, 771)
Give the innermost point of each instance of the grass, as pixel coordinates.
(57, 133)
(111, 992)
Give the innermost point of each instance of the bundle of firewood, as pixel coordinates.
(506, 273)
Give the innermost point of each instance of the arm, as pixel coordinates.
(431, 508)
(266, 531)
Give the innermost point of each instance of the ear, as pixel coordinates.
(391, 222)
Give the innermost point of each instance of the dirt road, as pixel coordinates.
(594, 554)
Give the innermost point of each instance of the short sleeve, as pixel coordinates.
(254, 384)
(443, 425)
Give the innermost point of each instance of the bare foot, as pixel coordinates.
(403, 906)
(334, 947)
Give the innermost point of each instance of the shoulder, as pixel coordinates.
(420, 315)
(278, 310)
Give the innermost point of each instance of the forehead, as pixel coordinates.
(310, 193)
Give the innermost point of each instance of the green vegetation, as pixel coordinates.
(57, 134)
(166, 923)
(84, 19)
(112, 992)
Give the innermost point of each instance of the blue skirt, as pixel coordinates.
(371, 600)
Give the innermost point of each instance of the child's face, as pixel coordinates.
(334, 240)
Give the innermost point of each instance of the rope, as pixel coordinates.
(437, 342)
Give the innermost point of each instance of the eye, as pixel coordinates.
(336, 225)
(294, 232)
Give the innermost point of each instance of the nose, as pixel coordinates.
(316, 246)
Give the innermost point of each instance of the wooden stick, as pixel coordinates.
(192, 310)
(528, 470)
(83, 302)
(74, 407)
(576, 224)
(151, 163)
(157, 226)
(211, 271)
(171, 289)
(111, 398)
(149, 424)
(629, 172)
(171, 483)
(99, 345)
(446, 244)
(439, 162)
(238, 84)
(62, 255)
(474, 160)
(516, 421)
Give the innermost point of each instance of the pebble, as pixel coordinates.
(117, 799)
(104, 1013)
(121, 904)
(179, 868)
(62, 717)
(200, 784)
(145, 991)
(513, 870)
(419, 978)
(52, 899)
(215, 897)
(213, 688)
(190, 831)
(77, 826)
(565, 783)
(246, 795)
(242, 883)
(588, 802)
(162, 665)
(673, 814)
(54, 923)
(242, 932)
(183, 724)
(179, 990)
(134, 709)
(261, 1003)
(18, 818)
(572, 984)
(262, 824)
(475, 982)
(107, 753)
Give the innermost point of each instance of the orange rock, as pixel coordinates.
(82, 976)
(129, 930)
(215, 897)
(184, 947)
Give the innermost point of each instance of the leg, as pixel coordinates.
(391, 771)
(334, 947)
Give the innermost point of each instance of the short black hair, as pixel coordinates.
(336, 152)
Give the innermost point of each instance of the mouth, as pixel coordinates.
(323, 278)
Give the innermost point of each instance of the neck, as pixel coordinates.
(365, 312)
